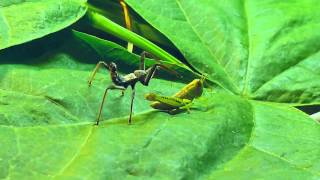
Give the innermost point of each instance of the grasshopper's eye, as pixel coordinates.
(150, 97)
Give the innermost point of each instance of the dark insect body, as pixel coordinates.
(122, 82)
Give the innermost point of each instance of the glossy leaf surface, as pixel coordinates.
(22, 21)
(47, 110)
(266, 50)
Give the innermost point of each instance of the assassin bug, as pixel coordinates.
(122, 82)
(181, 100)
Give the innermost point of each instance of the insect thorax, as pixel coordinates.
(139, 73)
(129, 77)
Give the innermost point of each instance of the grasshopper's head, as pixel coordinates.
(150, 96)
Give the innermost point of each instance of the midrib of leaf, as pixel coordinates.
(249, 145)
(204, 44)
(290, 137)
(282, 159)
(285, 70)
(72, 159)
(246, 17)
(155, 134)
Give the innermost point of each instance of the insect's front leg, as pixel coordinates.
(143, 55)
(96, 70)
(149, 74)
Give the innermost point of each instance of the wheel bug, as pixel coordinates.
(122, 82)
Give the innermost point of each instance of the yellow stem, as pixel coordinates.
(127, 22)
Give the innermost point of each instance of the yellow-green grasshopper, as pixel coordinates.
(170, 104)
(181, 100)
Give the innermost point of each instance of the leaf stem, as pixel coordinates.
(100, 22)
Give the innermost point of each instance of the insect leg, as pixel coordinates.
(122, 93)
(180, 109)
(142, 56)
(150, 73)
(95, 71)
(131, 107)
(104, 97)
(145, 54)
(152, 70)
(187, 107)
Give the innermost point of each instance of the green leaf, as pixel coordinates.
(23, 21)
(262, 50)
(47, 113)
(210, 141)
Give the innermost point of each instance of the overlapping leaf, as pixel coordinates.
(263, 50)
(22, 21)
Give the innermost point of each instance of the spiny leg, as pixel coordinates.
(131, 106)
(104, 97)
(150, 73)
(143, 55)
(95, 71)
(152, 70)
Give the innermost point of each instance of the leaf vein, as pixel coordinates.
(68, 164)
(285, 70)
(245, 10)
(201, 40)
(284, 160)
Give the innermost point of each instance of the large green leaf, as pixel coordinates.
(267, 50)
(47, 113)
(47, 131)
(22, 21)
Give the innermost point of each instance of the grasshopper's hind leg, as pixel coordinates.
(180, 109)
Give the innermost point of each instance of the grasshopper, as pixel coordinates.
(170, 104)
(179, 101)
